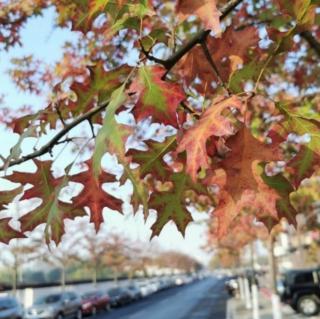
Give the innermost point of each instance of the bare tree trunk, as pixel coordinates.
(115, 276)
(276, 304)
(300, 261)
(63, 278)
(272, 264)
(95, 275)
(252, 255)
(15, 278)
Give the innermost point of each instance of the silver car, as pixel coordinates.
(10, 308)
(55, 306)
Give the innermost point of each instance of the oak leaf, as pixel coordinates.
(206, 10)
(92, 195)
(151, 160)
(51, 211)
(239, 165)
(302, 165)
(7, 232)
(156, 97)
(112, 138)
(211, 123)
(6, 197)
(229, 53)
(171, 204)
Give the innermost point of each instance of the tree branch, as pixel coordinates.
(168, 64)
(314, 44)
(199, 38)
(55, 140)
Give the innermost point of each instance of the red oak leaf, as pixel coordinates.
(157, 98)
(51, 211)
(93, 196)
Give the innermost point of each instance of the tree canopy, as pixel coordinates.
(203, 104)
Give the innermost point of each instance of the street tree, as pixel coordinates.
(199, 102)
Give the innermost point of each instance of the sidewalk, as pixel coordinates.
(236, 309)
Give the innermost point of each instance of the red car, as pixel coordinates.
(94, 301)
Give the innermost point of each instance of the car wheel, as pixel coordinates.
(94, 311)
(79, 314)
(59, 316)
(107, 307)
(308, 306)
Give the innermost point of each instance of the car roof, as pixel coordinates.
(299, 271)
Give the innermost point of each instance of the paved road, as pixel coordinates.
(204, 299)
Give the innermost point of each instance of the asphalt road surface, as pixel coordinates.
(205, 299)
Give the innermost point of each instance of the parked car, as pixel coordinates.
(134, 291)
(301, 290)
(10, 308)
(145, 288)
(94, 301)
(119, 296)
(55, 306)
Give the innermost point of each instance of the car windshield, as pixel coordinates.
(115, 291)
(89, 295)
(48, 299)
(132, 287)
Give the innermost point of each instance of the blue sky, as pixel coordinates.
(40, 38)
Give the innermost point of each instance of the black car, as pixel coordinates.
(301, 290)
(10, 308)
(119, 296)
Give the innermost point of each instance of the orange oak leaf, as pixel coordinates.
(239, 178)
(211, 123)
(93, 196)
(206, 10)
(156, 98)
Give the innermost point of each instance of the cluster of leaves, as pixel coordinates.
(236, 81)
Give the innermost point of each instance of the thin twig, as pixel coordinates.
(91, 127)
(190, 110)
(151, 57)
(213, 65)
(53, 142)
